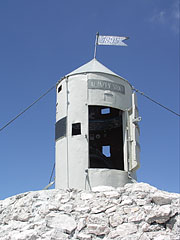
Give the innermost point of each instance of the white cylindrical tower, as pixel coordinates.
(97, 132)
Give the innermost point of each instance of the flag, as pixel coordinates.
(111, 40)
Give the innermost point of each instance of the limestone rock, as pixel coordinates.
(115, 220)
(123, 230)
(81, 224)
(159, 214)
(97, 229)
(61, 221)
(161, 198)
(136, 211)
(83, 236)
(137, 216)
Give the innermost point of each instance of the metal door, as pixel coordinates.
(134, 135)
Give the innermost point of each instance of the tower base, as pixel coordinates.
(107, 177)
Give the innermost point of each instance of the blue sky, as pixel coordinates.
(41, 41)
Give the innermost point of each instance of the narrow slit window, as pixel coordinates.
(76, 129)
(106, 151)
(105, 110)
(59, 88)
(60, 128)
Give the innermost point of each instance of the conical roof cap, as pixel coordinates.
(93, 66)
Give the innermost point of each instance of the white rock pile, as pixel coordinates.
(136, 211)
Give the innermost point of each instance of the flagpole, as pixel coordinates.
(96, 43)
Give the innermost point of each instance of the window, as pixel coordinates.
(105, 110)
(76, 129)
(60, 128)
(106, 151)
(59, 88)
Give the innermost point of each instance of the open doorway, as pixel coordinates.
(105, 138)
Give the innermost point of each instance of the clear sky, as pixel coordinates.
(41, 41)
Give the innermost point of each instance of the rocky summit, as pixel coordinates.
(136, 211)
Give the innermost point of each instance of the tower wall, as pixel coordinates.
(79, 96)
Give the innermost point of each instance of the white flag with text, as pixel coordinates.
(111, 40)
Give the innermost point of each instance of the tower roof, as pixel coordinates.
(93, 66)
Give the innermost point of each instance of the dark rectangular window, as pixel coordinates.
(76, 129)
(60, 128)
(59, 88)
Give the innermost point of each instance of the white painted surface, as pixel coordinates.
(134, 135)
(77, 144)
(61, 102)
(107, 177)
(115, 99)
(61, 170)
(92, 66)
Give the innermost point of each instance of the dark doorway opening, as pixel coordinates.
(105, 138)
